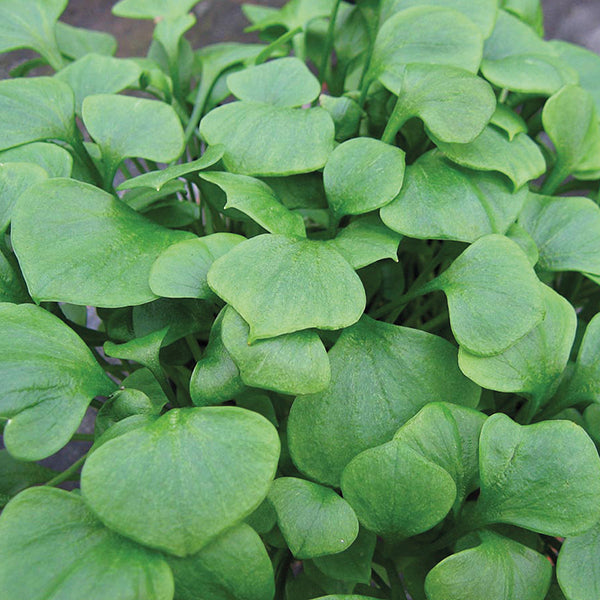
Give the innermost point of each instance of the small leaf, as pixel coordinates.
(266, 140)
(362, 175)
(90, 224)
(54, 159)
(201, 446)
(48, 378)
(18, 475)
(72, 553)
(346, 114)
(313, 519)
(506, 119)
(76, 42)
(307, 274)
(280, 82)
(543, 477)
(152, 9)
(498, 569)
(12, 285)
(294, 364)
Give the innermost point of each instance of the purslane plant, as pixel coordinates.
(232, 258)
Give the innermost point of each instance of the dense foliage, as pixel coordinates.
(231, 260)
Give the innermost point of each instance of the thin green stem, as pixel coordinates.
(79, 148)
(395, 122)
(194, 347)
(397, 589)
(280, 41)
(324, 66)
(69, 473)
(553, 181)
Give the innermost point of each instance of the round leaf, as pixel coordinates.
(54, 159)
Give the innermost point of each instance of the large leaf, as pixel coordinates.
(152, 9)
(566, 231)
(494, 297)
(520, 159)
(235, 565)
(295, 363)
(261, 139)
(313, 519)
(543, 477)
(308, 275)
(90, 224)
(226, 456)
(54, 159)
(442, 201)
(48, 378)
(377, 369)
(362, 175)
(497, 569)
(53, 534)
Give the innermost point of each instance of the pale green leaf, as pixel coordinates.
(54, 159)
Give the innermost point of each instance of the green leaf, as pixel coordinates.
(15, 179)
(55, 160)
(534, 365)
(506, 119)
(76, 42)
(346, 114)
(543, 477)
(494, 297)
(36, 108)
(366, 240)
(12, 285)
(426, 34)
(201, 446)
(377, 369)
(158, 179)
(578, 567)
(30, 24)
(48, 378)
(294, 364)
(97, 74)
(566, 231)
(529, 11)
(124, 126)
(297, 13)
(395, 492)
(498, 569)
(520, 159)
(181, 270)
(72, 553)
(440, 200)
(266, 140)
(257, 200)
(18, 475)
(361, 175)
(454, 104)
(235, 565)
(307, 274)
(152, 9)
(313, 519)
(280, 82)
(518, 235)
(90, 224)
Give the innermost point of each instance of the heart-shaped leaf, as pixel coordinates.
(201, 445)
(405, 369)
(54, 159)
(308, 274)
(295, 363)
(362, 175)
(152, 9)
(440, 200)
(48, 377)
(313, 519)
(90, 224)
(54, 534)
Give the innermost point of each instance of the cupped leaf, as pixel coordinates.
(395, 492)
(235, 565)
(313, 519)
(440, 200)
(308, 275)
(566, 231)
(377, 369)
(520, 159)
(36, 108)
(361, 175)
(281, 82)
(53, 534)
(54, 159)
(90, 224)
(494, 296)
(543, 477)
(497, 569)
(266, 140)
(256, 199)
(48, 377)
(152, 9)
(201, 446)
(534, 365)
(124, 126)
(76, 42)
(295, 363)
(454, 104)
(181, 270)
